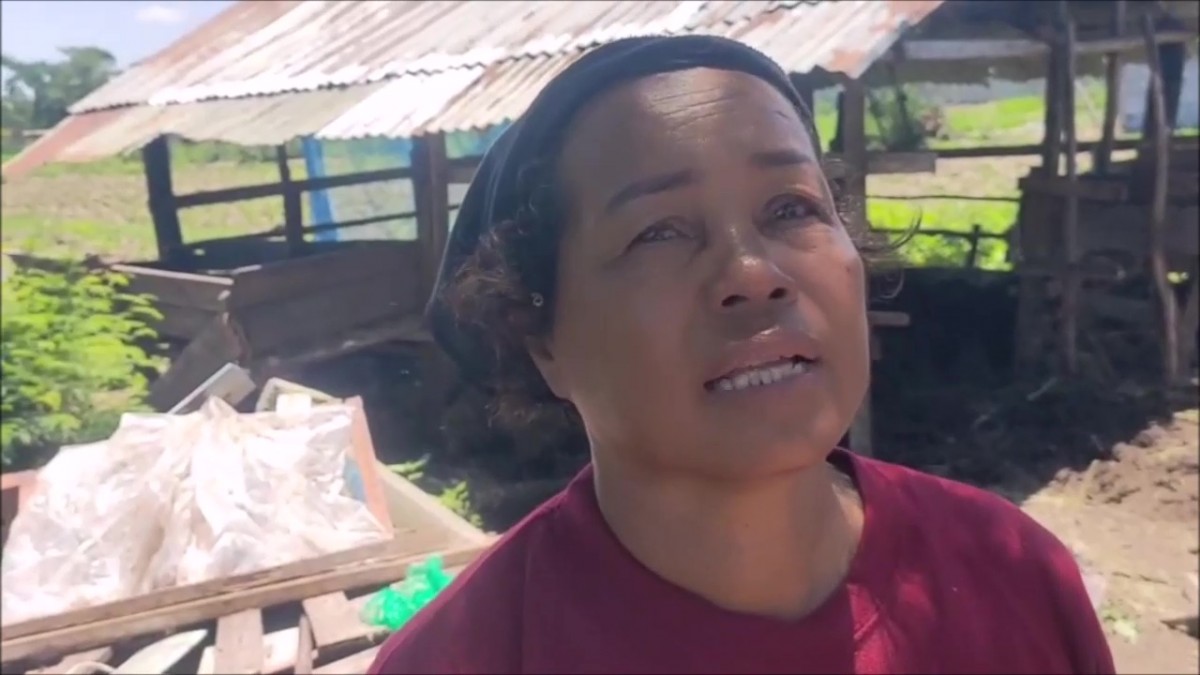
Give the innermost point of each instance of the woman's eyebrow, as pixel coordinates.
(772, 159)
(648, 186)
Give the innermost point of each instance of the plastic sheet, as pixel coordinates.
(170, 500)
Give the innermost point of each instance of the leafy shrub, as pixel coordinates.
(456, 497)
(69, 357)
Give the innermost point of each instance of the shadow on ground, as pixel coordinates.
(946, 401)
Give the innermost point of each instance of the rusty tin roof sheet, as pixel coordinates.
(265, 72)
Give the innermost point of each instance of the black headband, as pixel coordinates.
(495, 193)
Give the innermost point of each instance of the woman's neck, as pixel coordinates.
(774, 547)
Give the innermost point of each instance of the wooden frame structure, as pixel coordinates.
(271, 300)
(1075, 277)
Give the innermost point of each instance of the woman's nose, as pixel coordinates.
(749, 277)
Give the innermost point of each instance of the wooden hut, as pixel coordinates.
(279, 298)
(402, 70)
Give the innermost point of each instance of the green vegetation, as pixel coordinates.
(71, 358)
(455, 496)
(37, 94)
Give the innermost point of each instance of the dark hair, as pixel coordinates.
(492, 291)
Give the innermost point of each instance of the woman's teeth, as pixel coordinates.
(769, 374)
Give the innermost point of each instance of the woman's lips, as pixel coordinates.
(764, 374)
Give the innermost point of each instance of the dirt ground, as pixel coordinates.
(1132, 523)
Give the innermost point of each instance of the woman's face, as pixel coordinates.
(710, 315)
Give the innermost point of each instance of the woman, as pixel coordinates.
(652, 254)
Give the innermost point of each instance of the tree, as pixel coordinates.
(37, 94)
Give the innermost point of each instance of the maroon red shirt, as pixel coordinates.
(947, 578)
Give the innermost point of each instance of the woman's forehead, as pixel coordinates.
(680, 118)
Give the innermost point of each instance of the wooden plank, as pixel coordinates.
(166, 598)
(247, 192)
(231, 384)
(258, 284)
(182, 323)
(239, 644)
(334, 622)
(200, 291)
(114, 628)
(1094, 189)
(73, 663)
(365, 462)
(215, 346)
(1158, 209)
(358, 663)
(303, 657)
(312, 318)
(279, 649)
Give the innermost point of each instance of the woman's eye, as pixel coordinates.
(663, 231)
(792, 209)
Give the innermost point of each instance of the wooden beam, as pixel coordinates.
(1052, 120)
(962, 50)
(881, 163)
(293, 211)
(201, 291)
(231, 598)
(1112, 190)
(1158, 209)
(431, 194)
(239, 643)
(163, 205)
(1112, 96)
(1070, 234)
(1025, 150)
(852, 122)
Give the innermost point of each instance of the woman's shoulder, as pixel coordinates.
(967, 524)
(948, 505)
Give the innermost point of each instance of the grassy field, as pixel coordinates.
(69, 210)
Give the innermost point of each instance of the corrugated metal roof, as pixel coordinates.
(265, 72)
(263, 48)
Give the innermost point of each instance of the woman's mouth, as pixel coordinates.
(772, 372)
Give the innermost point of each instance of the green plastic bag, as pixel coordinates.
(393, 606)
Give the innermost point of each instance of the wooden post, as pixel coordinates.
(852, 138)
(293, 211)
(432, 196)
(1189, 321)
(973, 254)
(156, 162)
(1069, 318)
(1112, 95)
(1052, 133)
(1158, 207)
(853, 134)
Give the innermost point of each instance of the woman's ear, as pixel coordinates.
(542, 352)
